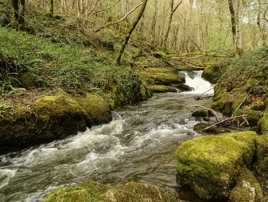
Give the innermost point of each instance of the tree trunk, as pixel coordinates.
(154, 21)
(51, 8)
(235, 25)
(172, 11)
(260, 17)
(118, 60)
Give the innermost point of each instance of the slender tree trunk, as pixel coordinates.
(235, 22)
(154, 21)
(172, 11)
(51, 8)
(118, 61)
(259, 23)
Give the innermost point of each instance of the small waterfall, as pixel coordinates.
(199, 85)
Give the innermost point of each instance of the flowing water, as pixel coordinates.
(139, 144)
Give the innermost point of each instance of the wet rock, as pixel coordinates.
(184, 87)
(211, 165)
(161, 88)
(247, 188)
(162, 76)
(200, 113)
(128, 192)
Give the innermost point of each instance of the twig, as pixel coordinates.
(238, 107)
(211, 110)
(223, 121)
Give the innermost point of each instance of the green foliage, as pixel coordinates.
(243, 83)
(70, 67)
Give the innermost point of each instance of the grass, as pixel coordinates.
(68, 66)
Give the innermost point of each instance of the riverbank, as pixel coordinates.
(231, 166)
(51, 90)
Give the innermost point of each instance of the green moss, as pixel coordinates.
(243, 84)
(96, 108)
(128, 192)
(139, 192)
(86, 192)
(163, 76)
(213, 72)
(211, 164)
(263, 123)
(161, 88)
(56, 106)
(262, 155)
(253, 116)
(247, 188)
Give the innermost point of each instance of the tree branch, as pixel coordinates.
(176, 7)
(121, 19)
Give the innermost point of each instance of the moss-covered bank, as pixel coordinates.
(50, 90)
(217, 167)
(242, 86)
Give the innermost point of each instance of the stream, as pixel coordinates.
(139, 144)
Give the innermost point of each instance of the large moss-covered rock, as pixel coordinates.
(161, 76)
(128, 192)
(210, 165)
(50, 117)
(247, 188)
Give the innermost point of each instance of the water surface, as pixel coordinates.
(139, 144)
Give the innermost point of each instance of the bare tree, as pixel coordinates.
(118, 60)
(121, 19)
(173, 9)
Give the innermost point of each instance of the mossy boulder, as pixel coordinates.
(247, 188)
(162, 76)
(211, 165)
(128, 192)
(50, 117)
